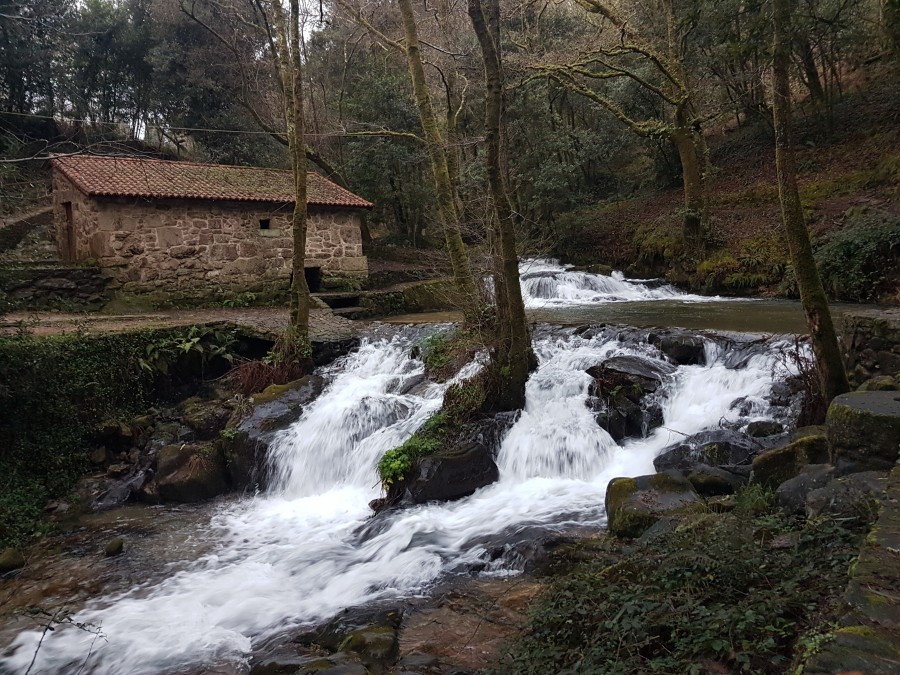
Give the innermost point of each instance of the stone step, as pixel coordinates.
(339, 300)
(355, 312)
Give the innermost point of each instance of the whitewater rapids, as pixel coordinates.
(309, 547)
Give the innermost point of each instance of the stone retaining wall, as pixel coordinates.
(872, 342)
(188, 248)
(56, 287)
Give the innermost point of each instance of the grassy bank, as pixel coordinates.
(746, 591)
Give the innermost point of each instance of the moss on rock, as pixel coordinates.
(774, 467)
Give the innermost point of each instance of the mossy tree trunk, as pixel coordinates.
(448, 212)
(513, 356)
(692, 177)
(289, 61)
(830, 365)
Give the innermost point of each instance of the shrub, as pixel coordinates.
(860, 261)
(712, 596)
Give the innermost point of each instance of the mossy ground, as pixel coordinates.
(747, 591)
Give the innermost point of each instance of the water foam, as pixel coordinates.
(547, 283)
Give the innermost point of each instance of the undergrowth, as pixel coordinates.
(57, 391)
(722, 593)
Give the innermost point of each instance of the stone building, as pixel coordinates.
(187, 230)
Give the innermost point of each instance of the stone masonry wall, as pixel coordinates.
(193, 247)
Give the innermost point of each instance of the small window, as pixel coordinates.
(265, 223)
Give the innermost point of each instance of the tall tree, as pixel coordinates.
(830, 365)
(286, 47)
(513, 356)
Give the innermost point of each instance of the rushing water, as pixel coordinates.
(309, 547)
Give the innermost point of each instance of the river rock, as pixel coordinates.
(864, 430)
(620, 395)
(191, 473)
(114, 547)
(11, 559)
(205, 418)
(682, 348)
(857, 496)
(772, 467)
(633, 505)
(453, 473)
(764, 428)
(791, 494)
(880, 383)
(246, 438)
(711, 481)
(722, 448)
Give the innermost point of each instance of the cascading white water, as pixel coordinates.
(546, 283)
(309, 548)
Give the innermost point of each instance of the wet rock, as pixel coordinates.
(879, 383)
(191, 473)
(856, 496)
(98, 456)
(205, 418)
(452, 473)
(722, 448)
(633, 505)
(333, 634)
(114, 547)
(764, 428)
(772, 467)
(864, 430)
(11, 559)
(620, 395)
(375, 645)
(118, 470)
(791, 494)
(682, 348)
(711, 481)
(246, 438)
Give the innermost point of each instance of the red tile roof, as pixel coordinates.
(98, 176)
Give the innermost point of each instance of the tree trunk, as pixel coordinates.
(514, 358)
(291, 72)
(830, 365)
(692, 170)
(437, 153)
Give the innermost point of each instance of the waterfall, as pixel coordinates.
(546, 283)
(309, 547)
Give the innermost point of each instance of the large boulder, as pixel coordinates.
(864, 430)
(620, 395)
(723, 448)
(246, 438)
(791, 494)
(857, 496)
(633, 505)
(452, 473)
(11, 559)
(191, 472)
(773, 467)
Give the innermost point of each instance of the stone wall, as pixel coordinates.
(58, 287)
(872, 342)
(195, 248)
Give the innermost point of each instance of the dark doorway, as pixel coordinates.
(69, 245)
(313, 278)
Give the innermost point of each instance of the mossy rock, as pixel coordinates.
(880, 383)
(375, 645)
(114, 547)
(205, 418)
(191, 472)
(633, 505)
(773, 467)
(864, 430)
(856, 649)
(11, 559)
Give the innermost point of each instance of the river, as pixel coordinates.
(310, 547)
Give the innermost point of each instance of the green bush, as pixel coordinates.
(860, 261)
(713, 596)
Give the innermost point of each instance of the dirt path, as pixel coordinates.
(323, 324)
